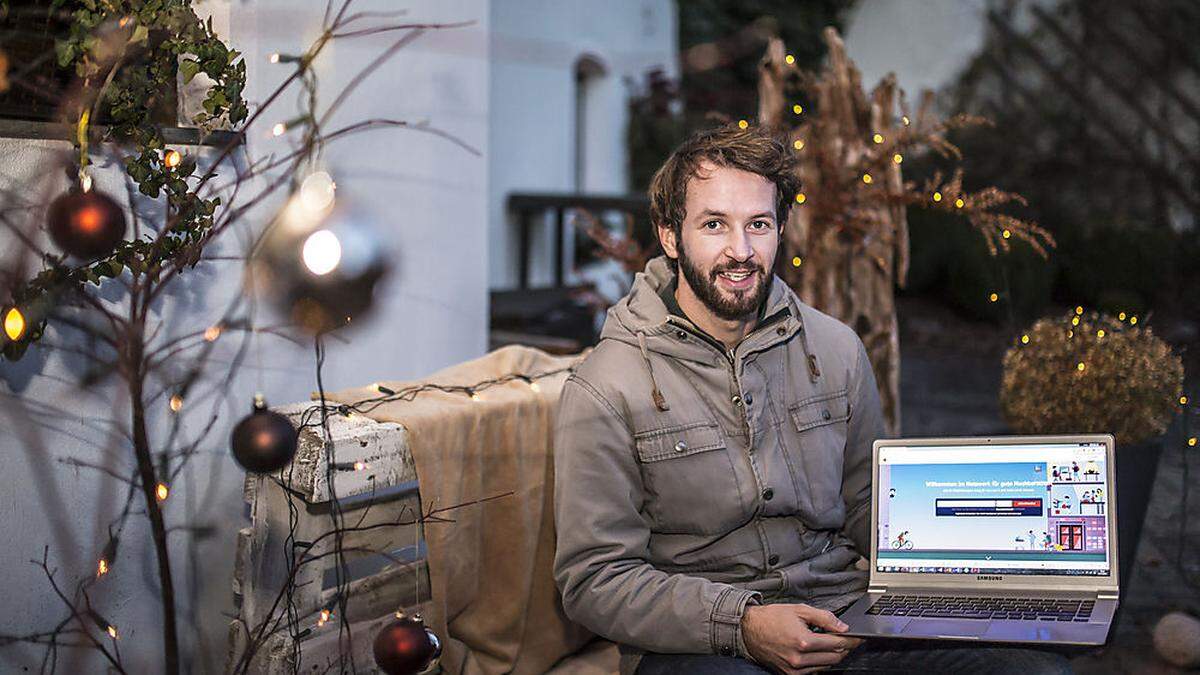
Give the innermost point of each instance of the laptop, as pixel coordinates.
(1005, 539)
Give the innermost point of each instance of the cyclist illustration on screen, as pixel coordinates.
(901, 541)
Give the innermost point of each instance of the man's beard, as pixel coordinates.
(726, 306)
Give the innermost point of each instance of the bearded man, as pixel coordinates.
(713, 452)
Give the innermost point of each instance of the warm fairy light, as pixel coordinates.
(798, 144)
(162, 492)
(112, 632)
(878, 138)
(322, 252)
(1183, 400)
(318, 191)
(797, 109)
(476, 397)
(797, 261)
(1079, 309)
(324, 617)
(897, 158)
(1121, 316)
(1075, 321)
(1070, 333)
(101, 568)
(1100, 333)
(904, 119)
(1006, 234)
(172, 158)
(801, 198)
(959, 203)
(1024, 339)
(535, 386)
(993, 297)
(937, 196)
(1192, 441)
(176, 403)
(212, 333)
(274, 57)
(14, 324)
(743, 124)
(1133, 321)
(278, 129)
(361, 466)
(1081, 367)
(867, 178)
(789, 59)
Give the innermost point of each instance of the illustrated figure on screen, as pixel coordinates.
(1091, 470)
(1032, 541)
(902, 541)
(1054, 474)
(1074, 470)
(892, 492)
(1047, 541)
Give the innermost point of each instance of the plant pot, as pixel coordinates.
(1137, 466)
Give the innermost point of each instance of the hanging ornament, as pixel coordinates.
(320, 261)
(264, 441)
(406, 646)
(86, 223)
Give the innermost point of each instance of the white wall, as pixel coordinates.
(534, 48)
(431, 201)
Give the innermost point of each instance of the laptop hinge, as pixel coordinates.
(876, 589)
(1107, 595)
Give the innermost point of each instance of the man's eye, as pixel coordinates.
(760, 224)
(712, 224)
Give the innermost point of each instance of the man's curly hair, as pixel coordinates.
(754, 149)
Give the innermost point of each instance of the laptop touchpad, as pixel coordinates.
(946, 628)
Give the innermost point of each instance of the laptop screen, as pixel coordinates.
(1002, 509)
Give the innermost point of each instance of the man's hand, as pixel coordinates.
(780, 637)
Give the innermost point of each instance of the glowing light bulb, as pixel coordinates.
(322, 252)
(176, 403)
(1075, 321)
(1121, 316)
(476, 397)
(798, 144)
(1192, 441)
(1024, 339)
(172, 158)
(274, 57)
(112, 633)
(1081, 367)
(993, 297)
(101, 568)
(801, 198)
(1079, 309)
(937, 196)
(279, 129)
(535, 386)
(797, 109)
(1100, 333)
(1006, 234)
(878, 138)
(1183, 400)
(789, 59)
(212, 333)
(14, 324)
(904, 119)
(867, 178)
(1133, 321)
(1070, 334)
(743, 124)
(161, 492)
(359, 466)
(897, 158)
(797, 261)
(318, 191)
(323, 618)
(959, 203)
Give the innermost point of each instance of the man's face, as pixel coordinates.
(727, 245)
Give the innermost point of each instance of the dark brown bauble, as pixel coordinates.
(86, 225)
(405, 647)
(264, 441)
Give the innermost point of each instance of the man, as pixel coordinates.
(713, 453)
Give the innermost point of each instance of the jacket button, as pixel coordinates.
(681, 335)
(726, 651)
(781, 331)
(748, 398)
(680, 446)
(737, 400)
(768, 494)
(825, 414)
(773, 560)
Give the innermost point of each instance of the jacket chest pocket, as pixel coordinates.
(689, 478)
(819, 424)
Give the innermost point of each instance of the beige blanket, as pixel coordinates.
(495, 605)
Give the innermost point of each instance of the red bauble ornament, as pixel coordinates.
(86, 224)
(406, 646)
(264, 441)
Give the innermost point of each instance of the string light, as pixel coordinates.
(958, 203)
(743, 124)
(361, 466)
(1121, 316)
(1183, 400)
(801, 198)
(274, 57)
(789, 59)
(322, 252)
(1079, 309)
(101, 568)
(937, 196)
(867, 178)
(1100, 333)
(1192, 441)
(172, 158)
(475, 396)
(904, 119)
(161, 492)
(14, 324)
(798, 144)
(1081, 367)
(878, 138)
(537, 388)
(993, 297)
(1075, 321)
(797, 261)
(1024, 339)
(797, 109)
(176, 403)
(1006, 234)
(212, 333)
(112, 632)
(323, 618)
(897, 158)
(279, 129)
(1133, 321)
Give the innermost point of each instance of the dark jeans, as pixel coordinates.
(885, 656)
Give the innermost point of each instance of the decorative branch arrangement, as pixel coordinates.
(122, 52)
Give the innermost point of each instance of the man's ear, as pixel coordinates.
(666, 239)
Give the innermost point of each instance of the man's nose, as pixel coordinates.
(738, 245)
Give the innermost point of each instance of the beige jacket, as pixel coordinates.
(690, 479)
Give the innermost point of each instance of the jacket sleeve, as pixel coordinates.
(600, 562)
(865, 426)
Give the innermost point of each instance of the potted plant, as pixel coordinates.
(1096, 373)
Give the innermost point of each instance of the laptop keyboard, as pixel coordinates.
(1030, 609)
